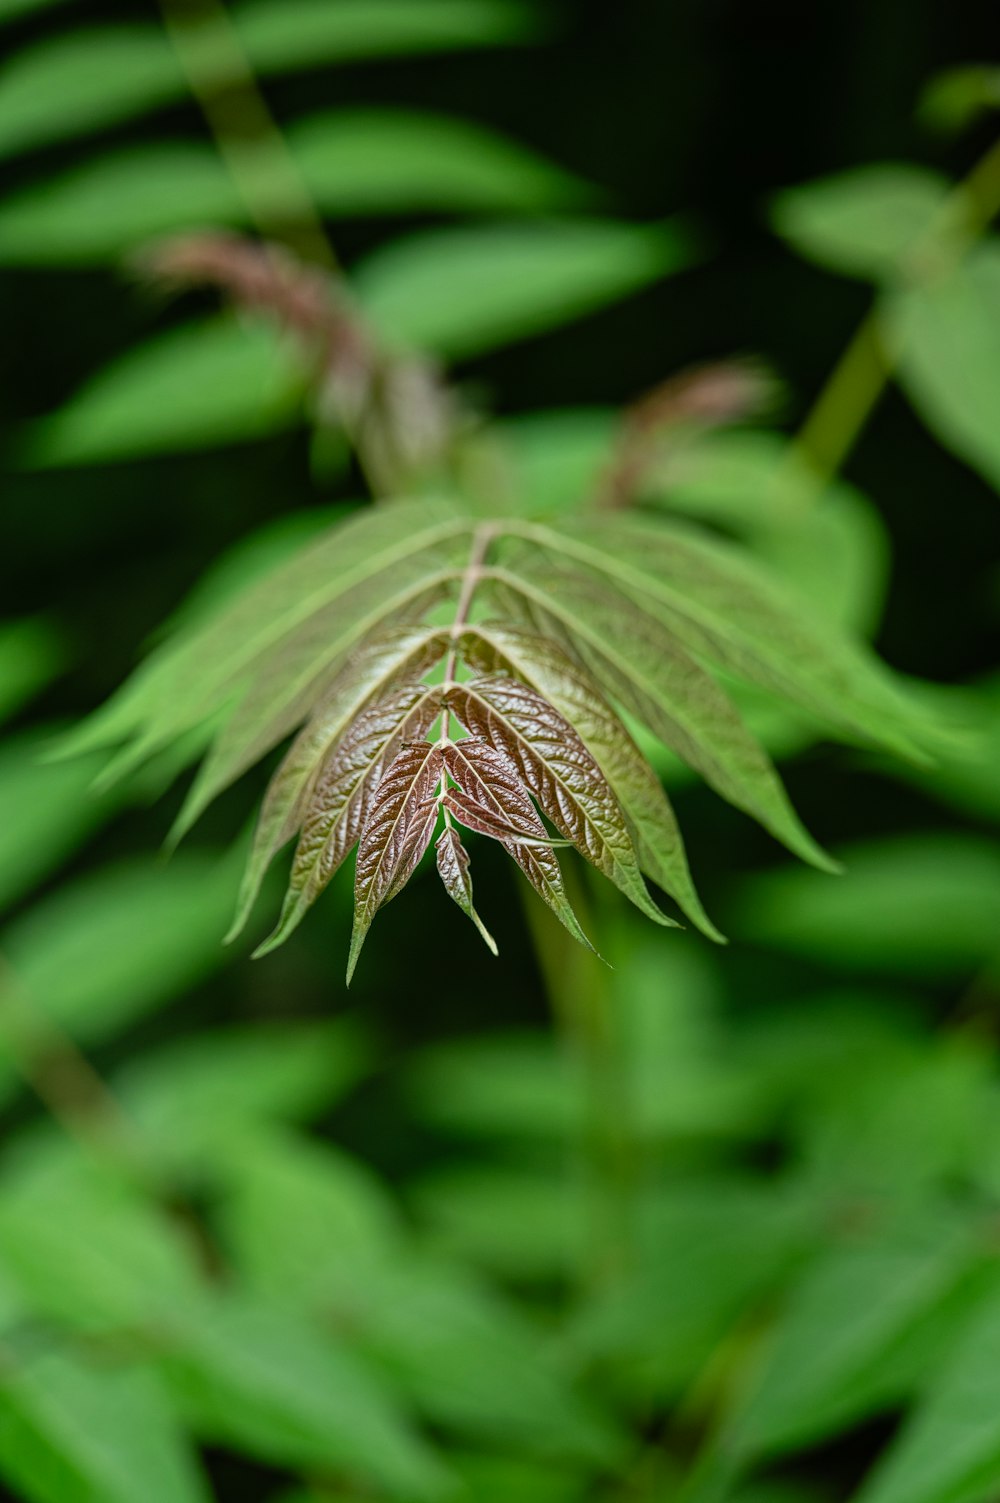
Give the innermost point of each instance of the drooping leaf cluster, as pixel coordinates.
(443, 669)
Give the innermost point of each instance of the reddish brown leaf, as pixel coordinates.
(453, 869)
(396, 833)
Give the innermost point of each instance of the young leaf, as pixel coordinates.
(196, 673)
(560, 773)
(383, 662)
(342, 796)
(724, 607)
(453, 869)
(395, 834)
(295, 676)
(539, 661)
(639, 663)
(489, 777)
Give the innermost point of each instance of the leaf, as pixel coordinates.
(46, 810)
(405, 161)
(492, 780)
(463, 291)
(957, 97)
(946, 332)
(738, 615)
(306, 668)
(217, 382)
(386, 658)
(564, 779)
(396, 833)
(864, 222)
(844, 1319)
(32, 653)
(262, 1379)
(194, 674)
(541, 663)
(98, 76)
(949, 1451)
(114, 945)
(453, 869)
(638, 662)
(75, 1430)
(345, 793)
(917, 905)
(357, 162)
(188, 1096)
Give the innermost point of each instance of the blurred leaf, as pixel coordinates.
(262, 1379)
(946, 331)
(216, 382)
(863, 222)
(99, 76)
(957, 97)
(78, 1431)
(833, 548)
(402, 161)
(311, 1229)
(46, 808)
(120, 941)
(501, 1479)
(557, 457)
(459, 292)
(353, 162)
(912, 905)
(301, 1220)
(126, 1266)
(11, 10)
(514, 1222)
(503, 1085)
(949, 1451)
(965, 776)
(848, 1313)
(708, 1255)
(32, 653)
(190, 1094)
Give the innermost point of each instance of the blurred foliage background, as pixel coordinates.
(434, 1239)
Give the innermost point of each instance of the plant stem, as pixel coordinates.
(852, 390)
(248, 138)
(580, 993)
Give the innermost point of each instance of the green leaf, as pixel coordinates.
(77, 1430)
(190, 1095)
(99, 76)
(516, 1223)
(864, 222)
(647, 670)
(217, 382)
(131, 1265)
(850, 1311)
(692, 1280)
(724, 606)
(832, 549)
(914, 905)
(949, 1451)
(260, 1378)
(954, 99)
(196, 673)
(121, 941)
(360, 162)
(946, 332)
(463, 291)
(32, 653)
(46, 809)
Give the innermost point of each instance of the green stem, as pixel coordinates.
(852, 391)
(580, 993)
(249, 140)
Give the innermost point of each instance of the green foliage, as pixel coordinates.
(727, 1233)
